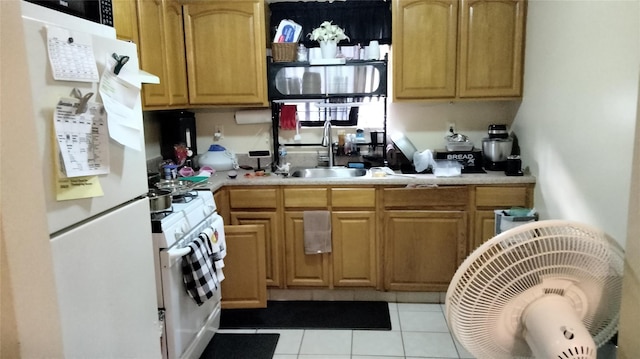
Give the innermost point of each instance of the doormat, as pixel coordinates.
(241, 346)
(362, 315)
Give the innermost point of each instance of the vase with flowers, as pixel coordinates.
(328, 35)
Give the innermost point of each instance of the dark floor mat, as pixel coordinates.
(241, 346)
(310, 315)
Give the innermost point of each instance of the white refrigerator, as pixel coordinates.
(101, 246)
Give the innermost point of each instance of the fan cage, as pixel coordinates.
(499, 279)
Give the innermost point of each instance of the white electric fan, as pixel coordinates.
(548, 289)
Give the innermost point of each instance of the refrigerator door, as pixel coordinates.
(127, 177)
(105, 281)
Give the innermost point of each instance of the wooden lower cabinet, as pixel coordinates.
(391, 238)
(354, 248)
(245, 282)
(489, 198)
(269, 224)
(302, 270)
(423, 248)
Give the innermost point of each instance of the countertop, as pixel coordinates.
(220, 179)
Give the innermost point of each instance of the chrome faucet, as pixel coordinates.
(326, 140)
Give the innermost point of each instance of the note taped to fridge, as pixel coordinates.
(78, 187)
(71, 55)
(82, 138)
(120, 94)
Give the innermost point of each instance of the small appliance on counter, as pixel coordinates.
(177, 128)
(514, 166)
(496, 148)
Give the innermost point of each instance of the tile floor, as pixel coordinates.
(418, 331)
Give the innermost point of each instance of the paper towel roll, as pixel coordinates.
(248, 117)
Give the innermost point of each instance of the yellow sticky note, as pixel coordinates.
(78, 187)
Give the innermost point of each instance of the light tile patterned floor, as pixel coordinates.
(418, 331)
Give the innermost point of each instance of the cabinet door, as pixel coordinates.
(491, 48)
(423, 249)
(244, 286)
(354, 248)
(269, 223)
(424, 48)
(489, 198)
(304, 270)
(484, 228)
(162, 52)
(226, 52)
(125, 20)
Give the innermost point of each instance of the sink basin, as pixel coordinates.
(336, 172)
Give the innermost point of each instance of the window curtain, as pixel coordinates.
(362, 21)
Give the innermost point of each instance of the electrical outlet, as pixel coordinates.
(219, 133)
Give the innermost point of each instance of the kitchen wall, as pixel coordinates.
(578, 112)
(424, 123)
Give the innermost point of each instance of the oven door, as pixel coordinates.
(188, 327)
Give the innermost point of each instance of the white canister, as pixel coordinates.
(218, 158)
(372, 52)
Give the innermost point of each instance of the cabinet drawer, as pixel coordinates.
(353, 197)
(305, 197)
(502, 196)
(253, 198)
(425, 197)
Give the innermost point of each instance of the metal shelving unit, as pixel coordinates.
(334, 87)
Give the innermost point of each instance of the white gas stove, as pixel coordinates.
(188, 327)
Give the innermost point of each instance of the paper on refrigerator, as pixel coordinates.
(119, 95)
(82, 149)
(71, 55)
(82, 138)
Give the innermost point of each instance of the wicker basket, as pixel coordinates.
(284, 51)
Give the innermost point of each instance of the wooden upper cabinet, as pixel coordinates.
(424, 48)
(162, 52)
(226, 52)
(125, 20)
(445, 49)
(491, 48)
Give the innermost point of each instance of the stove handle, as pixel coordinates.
(179, 252)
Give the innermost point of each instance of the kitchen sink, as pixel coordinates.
(333, 172)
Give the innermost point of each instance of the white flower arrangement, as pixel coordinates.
(328, 32)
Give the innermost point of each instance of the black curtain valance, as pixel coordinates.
(362, 21)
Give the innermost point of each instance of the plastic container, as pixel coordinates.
(447, 168)
(506, 219)
(218, 158)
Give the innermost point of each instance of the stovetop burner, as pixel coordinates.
(185, 197)
(160, 215)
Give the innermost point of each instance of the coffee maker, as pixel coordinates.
(177, 127)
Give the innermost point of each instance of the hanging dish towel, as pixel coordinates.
(198, 273)
(317, 232)
(218, 249)
(288, 117)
